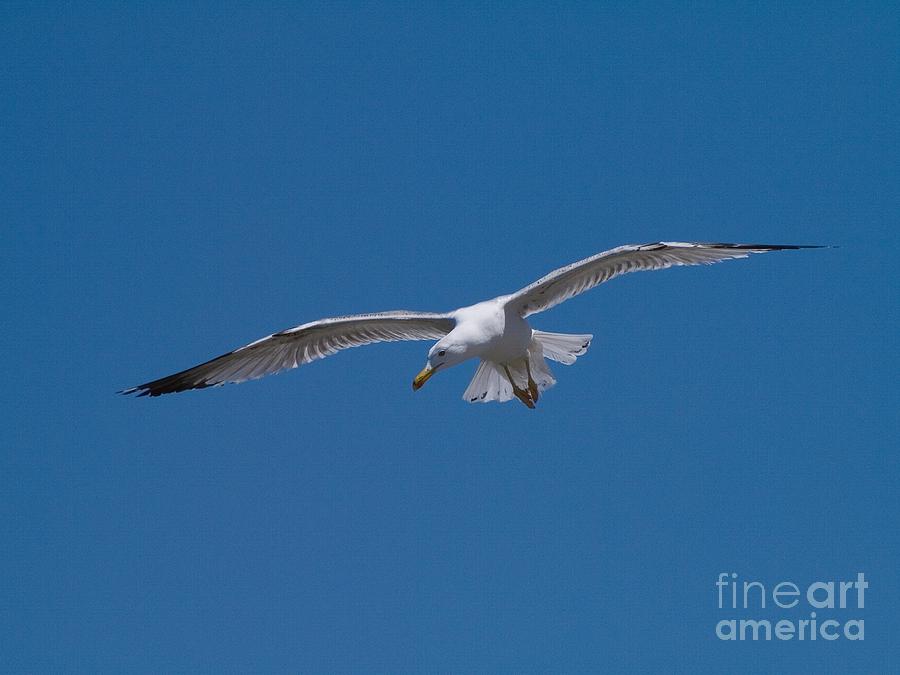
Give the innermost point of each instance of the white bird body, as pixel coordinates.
(512, 354)
(491, 331)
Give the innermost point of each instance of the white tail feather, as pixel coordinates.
(491, 383)
(562, 347)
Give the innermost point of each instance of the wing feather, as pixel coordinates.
(296, 346)
(569, 281)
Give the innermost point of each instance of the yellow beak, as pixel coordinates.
(422, 377)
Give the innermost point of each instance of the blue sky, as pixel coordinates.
(179, 180)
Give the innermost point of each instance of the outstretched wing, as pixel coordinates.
(295, 346)
(569, 281)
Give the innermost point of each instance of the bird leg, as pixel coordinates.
(532, 385)
(522, 394)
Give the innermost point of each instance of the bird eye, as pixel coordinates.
(442, 352)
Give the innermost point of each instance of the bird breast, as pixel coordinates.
(494, 333)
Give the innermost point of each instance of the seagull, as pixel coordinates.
(512, 355)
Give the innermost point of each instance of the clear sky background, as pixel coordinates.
(177, 180)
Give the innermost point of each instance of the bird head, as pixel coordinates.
(443, 354)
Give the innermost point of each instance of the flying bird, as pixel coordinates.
(512, 355)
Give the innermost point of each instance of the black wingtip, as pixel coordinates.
(137, 391)
(167, 385)
(770, 247)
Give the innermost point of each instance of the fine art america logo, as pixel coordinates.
(822, 610)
